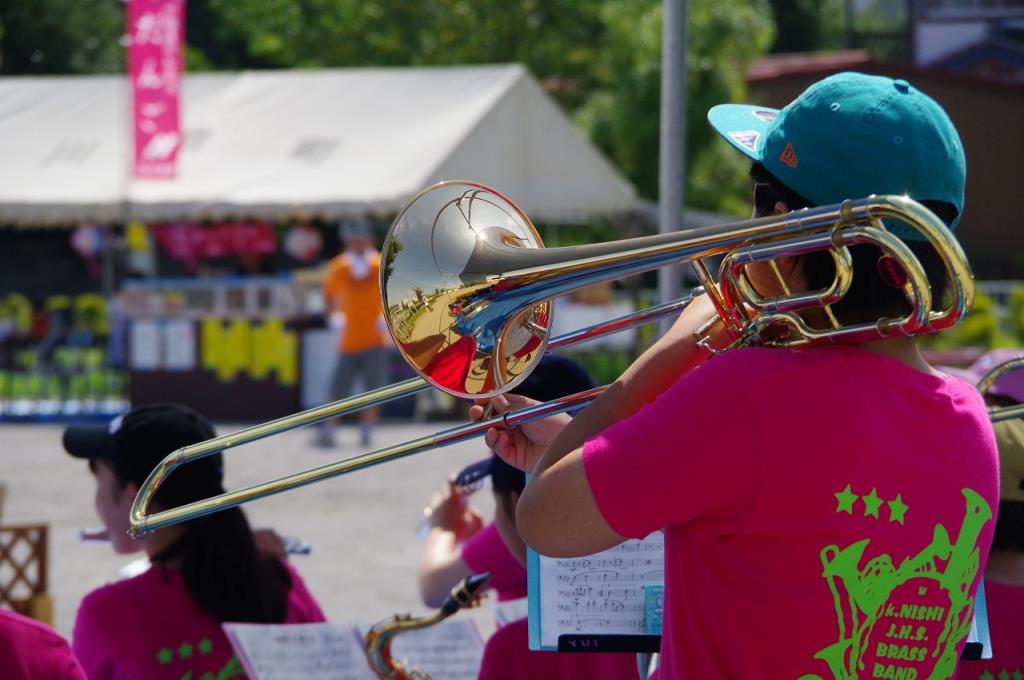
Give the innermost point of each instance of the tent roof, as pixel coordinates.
(328, 143)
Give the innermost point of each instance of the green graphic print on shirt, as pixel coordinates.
(186, 653)
(902, 621)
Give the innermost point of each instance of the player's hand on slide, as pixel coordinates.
(522, 446)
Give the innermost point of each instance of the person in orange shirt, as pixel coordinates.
(352, 291)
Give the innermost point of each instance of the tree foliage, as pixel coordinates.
(808, 25)
(1015, 312)
(980, 328)
(44, 37)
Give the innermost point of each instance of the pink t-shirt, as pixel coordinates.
(151, 627)
(1006, 628)
(485, 551)
(507, 657)
(30, 650)
(826, 512)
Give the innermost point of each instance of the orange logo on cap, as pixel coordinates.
(789, 156)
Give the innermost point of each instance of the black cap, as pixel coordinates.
(134, 444)
(554, 377)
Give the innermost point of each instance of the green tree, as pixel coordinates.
(1015, 313)
(622, 116)
(43, 37)
(980, 328)
(807, 25)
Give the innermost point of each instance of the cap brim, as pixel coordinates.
(89, 441)
(743, 126)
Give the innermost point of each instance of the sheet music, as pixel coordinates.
(303, 651)
(602, 594)
(452, 649)
(510, 610)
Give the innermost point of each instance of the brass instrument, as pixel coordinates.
(998, 413)
(467, 293)
(378, 641)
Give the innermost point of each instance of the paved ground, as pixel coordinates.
(361, 526)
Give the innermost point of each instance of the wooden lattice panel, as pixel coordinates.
(23, 570)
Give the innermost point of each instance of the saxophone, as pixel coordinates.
(378, 641)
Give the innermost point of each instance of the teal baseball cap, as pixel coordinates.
(852, 135)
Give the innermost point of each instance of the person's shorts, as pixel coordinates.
(370, 367)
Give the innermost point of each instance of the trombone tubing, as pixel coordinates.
(1000, 413)
(141, 524)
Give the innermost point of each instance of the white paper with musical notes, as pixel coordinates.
(333, 651)
(601, 594)
(301, 651)
(510, 610)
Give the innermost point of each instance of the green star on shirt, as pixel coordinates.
(897, 508)
(986, 676)
(165, 656)
(1003, 675)
(1017, 675)
(871, 504)
(205, 646)
(185, 651)
(846, 499)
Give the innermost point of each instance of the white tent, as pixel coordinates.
(274, 144)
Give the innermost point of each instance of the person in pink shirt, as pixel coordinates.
(828, 511)
(165, 624)
(457, 546)
(1004, 573)
(507, 655)
(30, 650)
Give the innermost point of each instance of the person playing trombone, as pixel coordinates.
(827, 511)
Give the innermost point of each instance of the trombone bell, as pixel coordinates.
(441, 259)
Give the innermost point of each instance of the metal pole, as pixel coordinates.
(672, 157)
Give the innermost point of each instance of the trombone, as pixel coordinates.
(999, 413)
(467, 294)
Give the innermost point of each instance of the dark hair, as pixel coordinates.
(505, 479)
(1009, 533)
(223, 569)
(869, 296)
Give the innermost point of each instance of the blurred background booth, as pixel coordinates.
(205, 288)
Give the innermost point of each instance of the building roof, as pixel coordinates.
(820, 64)
(991, 59)
(800, 63)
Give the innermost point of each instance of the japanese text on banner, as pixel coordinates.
(155, 29)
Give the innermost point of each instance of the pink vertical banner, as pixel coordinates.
(156, 33)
